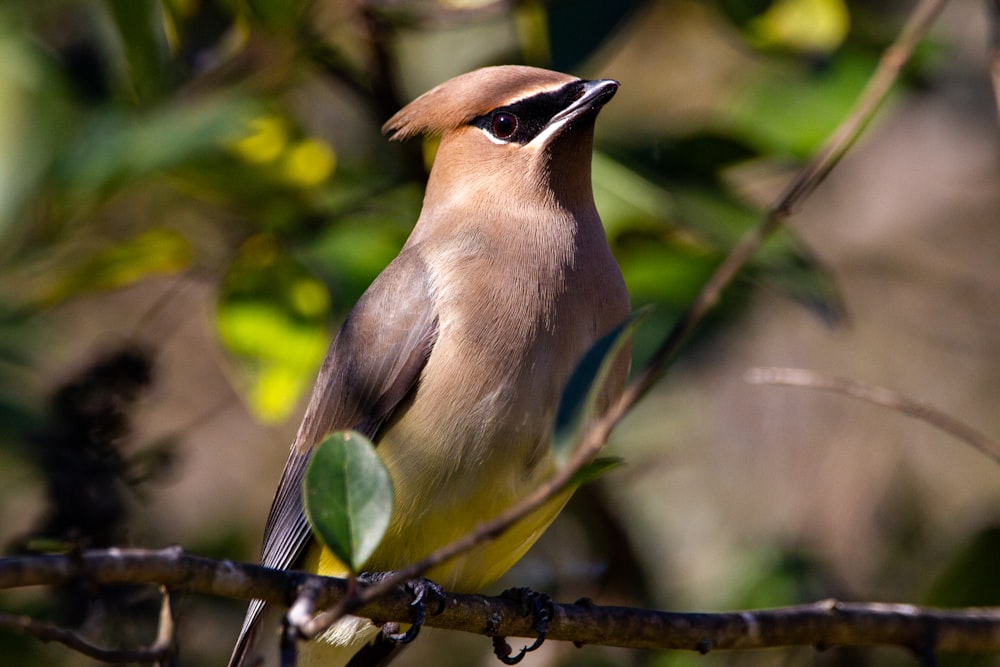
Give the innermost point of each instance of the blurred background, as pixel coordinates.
(194, 192)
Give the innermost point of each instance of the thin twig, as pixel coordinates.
(48, 632)
(993, 11)
(801, 377)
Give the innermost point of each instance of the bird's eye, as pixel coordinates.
(503, 125)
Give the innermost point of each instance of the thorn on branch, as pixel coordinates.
(166, 633)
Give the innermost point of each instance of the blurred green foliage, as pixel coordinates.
(104, 99)
(236, 142)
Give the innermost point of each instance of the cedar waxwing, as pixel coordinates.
(454, 360)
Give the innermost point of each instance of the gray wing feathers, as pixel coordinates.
(372, 365)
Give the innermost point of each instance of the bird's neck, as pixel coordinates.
(568, 169)
(525, 201)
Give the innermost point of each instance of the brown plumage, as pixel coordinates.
(454, 360)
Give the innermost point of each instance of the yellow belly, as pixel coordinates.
(408, 540)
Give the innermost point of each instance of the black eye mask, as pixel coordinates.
(522, 121)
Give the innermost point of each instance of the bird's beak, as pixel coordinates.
(593, 95)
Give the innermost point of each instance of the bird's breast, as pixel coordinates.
(475, 436)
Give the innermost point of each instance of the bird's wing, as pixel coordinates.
(372, 365)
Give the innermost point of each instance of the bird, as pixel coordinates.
(453, 361)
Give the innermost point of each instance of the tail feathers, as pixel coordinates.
(377, 652)
(351, 642)
(339, 645)
(244, 653)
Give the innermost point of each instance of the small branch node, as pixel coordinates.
(300, 614)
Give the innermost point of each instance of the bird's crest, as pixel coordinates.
(457, 101)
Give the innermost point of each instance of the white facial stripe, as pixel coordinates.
(543, 137)
(498, 142)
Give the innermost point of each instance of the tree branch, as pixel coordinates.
(823, 624)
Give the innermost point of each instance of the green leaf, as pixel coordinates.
(585, 384)
(596, 468)
(791, 111)
(281, 16)
(347, 495)
(626, 199)
(143, 33)
(113, 148)
(36, 119)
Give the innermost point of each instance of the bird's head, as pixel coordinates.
(510, 136)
